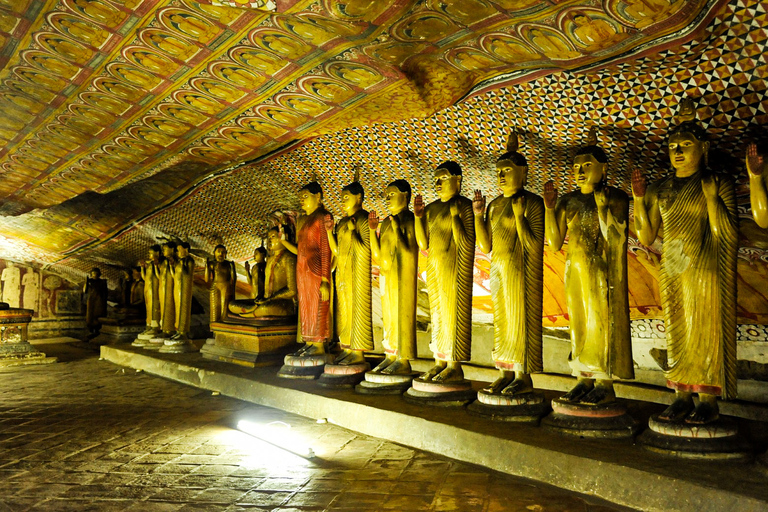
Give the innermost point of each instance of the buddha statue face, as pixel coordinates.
(350, 202)
(447, 185)
(168, 251)
(587, 172)
(182, 251)
(511, 177)
(274, 245)
(685, 153)
(397, 201)
(258, 255)
(309, 201)
(94, 273)
(154, 254)
(220, 254)
(136, 274)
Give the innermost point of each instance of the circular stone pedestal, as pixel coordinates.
(377, 383)
(444, 394)
(156, 342)
(181, 346)
(608, 421)
(304, 367)
(718, 440)
(343, 375)
(523, 408)
(142, 340)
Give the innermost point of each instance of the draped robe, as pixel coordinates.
(313, 263)
(353, 283)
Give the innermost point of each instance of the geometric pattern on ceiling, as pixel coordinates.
(100, 93)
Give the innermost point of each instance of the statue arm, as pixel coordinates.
(647, 216)
(723, 219)
(530, 227)
(462, 224)
(758, 197)
(375, 245)
(332, 240)
(483, 230)
(422, 236)
(289, 291)
(556, 225)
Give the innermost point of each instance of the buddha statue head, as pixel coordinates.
(220, 253)
(154, 252)
(398, 196)
(688, 145)
(589, 165)
(136, 273)
(448, 180)
(311, 197)
(352, 197)
(182, 250)
(260, 254)
(512, 168)
(169, 250)
(94, 273)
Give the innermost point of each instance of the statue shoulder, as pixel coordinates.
(618, 195)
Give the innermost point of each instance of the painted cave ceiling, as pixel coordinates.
(126, 121)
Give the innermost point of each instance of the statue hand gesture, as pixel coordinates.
(328, 222)
(478, 203)
(710, 185)
(418, 206)
(281, 232)
(247, 268)
(638, 184)
(325, 291)
(755, 161)
(550, 194)
(373, 221)
(518, 206)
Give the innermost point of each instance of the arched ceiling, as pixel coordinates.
(211, 143)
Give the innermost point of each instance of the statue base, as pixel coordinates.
(607, 421)
(142, 340)
(443, 394)
(304, 367)
(118, 330)
(15, 350)
(259, 343)
(718, 440)
(377, 383)
(343, 375)
(523, 408)
(156, 342)
(180, 346)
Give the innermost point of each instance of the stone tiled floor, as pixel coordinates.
(84, 435)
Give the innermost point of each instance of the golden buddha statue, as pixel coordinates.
(136, 293)
(697, 209)
(278, 296)
(95, 297)
(513, 233)
(313, 271)
(758, 194)
(167, 303)
(351, 247)
(595, 218)
(221, 277)
(446, 229)
(183, 279)
(150, 273)
(255, 274)
(397, 252)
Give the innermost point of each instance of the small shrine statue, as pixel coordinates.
(183, 279)
(255, 274)
(136, 296)
(758, 194)
(446, 229)
(697, 279)
(513, 233)
(95, 296)
(351, 246)
(397, 252)
(150, 273)
(279, 297)
(595, 218)
(221, 277)
(167, 303)
(313, 271)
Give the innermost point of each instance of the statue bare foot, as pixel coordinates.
(399, 367)
(705, 412)
(579, 390)
(434, 371)
(384, 364)
(679, 409)
(353, 357)
(450, 374)
(600, 395)
(314, 349)
(342, 355)
(499, 384)
(301, 351)
(518, 386)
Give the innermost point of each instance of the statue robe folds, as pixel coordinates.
(151, 276)
(517, 284)
(313, 263)
(697, 282)
(449, 279)
(596, 286)
(95, 301)
(353, 283)
(167, 307)
(397, 282)
(183, 279)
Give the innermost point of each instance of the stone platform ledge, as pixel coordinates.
(617, 471)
